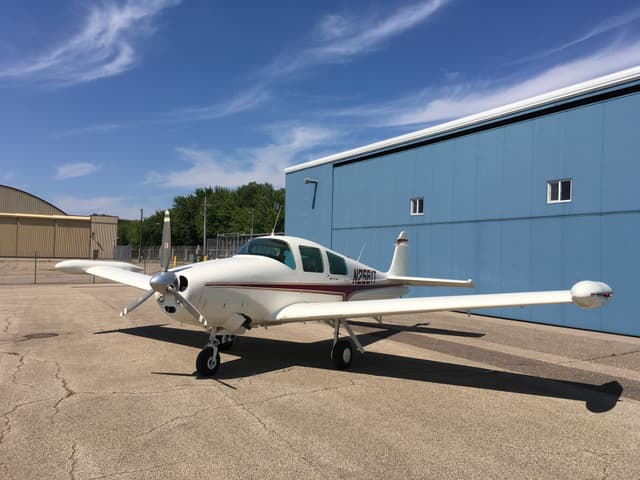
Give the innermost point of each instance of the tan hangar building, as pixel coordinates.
(31, 226)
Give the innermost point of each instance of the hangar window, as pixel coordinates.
(417, 206)
(559, 191)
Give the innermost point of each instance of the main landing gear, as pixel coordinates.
(208, 360)
(342, 350)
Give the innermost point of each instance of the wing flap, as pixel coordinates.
(367, 308)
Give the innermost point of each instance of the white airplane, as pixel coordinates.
(279, 279)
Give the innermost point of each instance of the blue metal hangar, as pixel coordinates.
(535, 195)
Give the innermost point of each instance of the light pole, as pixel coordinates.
(204, 228)
(140, 249)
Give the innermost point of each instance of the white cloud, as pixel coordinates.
(102, 48)
(607, 25)
(338, 39)
(464, 99)
(261, 164)
(245, 100)
(117, 206)
(73, 170)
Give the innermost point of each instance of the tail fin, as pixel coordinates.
(400, 263)
(399, 269)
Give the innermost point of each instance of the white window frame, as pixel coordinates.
(416, 206)
(550, 183)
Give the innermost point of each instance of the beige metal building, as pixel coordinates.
(31, 226)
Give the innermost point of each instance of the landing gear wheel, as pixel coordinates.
(341, 354)
(226, 342)
(207, 362)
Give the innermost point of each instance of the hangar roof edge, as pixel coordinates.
(35, 197)
(565, 93)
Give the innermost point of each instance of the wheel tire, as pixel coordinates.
(207, 364)
(226, 342)
(342, 354)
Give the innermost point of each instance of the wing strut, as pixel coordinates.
(347, 327)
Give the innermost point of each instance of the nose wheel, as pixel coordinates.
(208, 361)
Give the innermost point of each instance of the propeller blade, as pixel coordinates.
(137, 303)
(165, 251)
(190, 308)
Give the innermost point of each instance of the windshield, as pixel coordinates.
(269, 247)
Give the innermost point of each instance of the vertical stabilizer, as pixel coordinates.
(400, 263)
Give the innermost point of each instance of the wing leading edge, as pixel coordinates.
(586, 294)
(120, 272)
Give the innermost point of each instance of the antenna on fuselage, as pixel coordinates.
(364, 245)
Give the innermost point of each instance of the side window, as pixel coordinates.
(337, 265)
(311, 259)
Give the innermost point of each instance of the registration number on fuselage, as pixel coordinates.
(363, 276)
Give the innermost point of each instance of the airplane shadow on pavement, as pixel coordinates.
(260, 355)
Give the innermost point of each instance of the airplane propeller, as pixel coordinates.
(165, 282)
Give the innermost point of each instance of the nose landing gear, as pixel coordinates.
(208, 360)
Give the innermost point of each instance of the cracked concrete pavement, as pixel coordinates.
(86, 394)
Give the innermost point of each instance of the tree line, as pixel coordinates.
(249, 208)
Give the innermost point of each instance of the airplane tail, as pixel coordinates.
(399, 269)
(400, 263)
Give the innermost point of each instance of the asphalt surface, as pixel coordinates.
(85, 394)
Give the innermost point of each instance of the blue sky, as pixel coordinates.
(113, 106)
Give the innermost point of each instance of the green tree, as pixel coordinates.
(243, 210)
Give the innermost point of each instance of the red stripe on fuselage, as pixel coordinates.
(346, 291)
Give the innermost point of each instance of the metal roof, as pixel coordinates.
(560, 95)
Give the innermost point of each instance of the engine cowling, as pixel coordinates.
(590, 294)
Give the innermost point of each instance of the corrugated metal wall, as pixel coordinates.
(104, 236)
(8, 236)
(71, 238)
(35, 237)
(54, 236)
(486, 214)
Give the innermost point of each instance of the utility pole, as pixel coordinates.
(253, 211)
(140, 249)
(204, 228)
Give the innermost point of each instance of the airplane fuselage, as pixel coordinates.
(251, 289)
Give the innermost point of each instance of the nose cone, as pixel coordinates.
(161, 281)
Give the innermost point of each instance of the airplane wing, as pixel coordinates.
(586, 294)
(430, 282)
(120, 272)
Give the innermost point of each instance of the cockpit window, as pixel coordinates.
(269, 247)
(337, 264)
(311, 259)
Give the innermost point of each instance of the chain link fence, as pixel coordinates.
(34, 270)
(222, 246)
